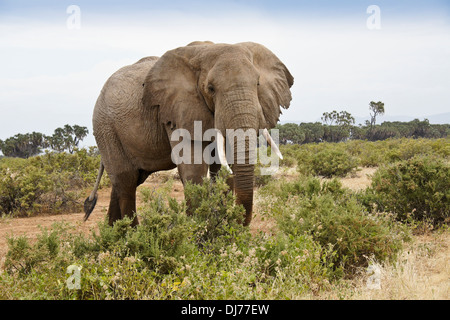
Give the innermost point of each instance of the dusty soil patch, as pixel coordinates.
(359, 180)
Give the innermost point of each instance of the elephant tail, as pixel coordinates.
(89, 203)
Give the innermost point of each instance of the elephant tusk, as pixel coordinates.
(221, 151)
(272, 143)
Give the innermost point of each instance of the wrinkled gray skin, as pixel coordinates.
(239, 86)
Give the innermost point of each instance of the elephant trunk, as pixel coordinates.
(243, 187)
(241, 146)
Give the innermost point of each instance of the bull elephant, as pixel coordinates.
(223, 86)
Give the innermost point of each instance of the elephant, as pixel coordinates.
(223, 86)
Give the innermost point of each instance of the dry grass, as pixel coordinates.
(421, 273)
(359, 180)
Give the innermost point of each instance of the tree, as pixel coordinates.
(23, 145)
(341, 131)
(67, 138)
(330, 117)
(313, 132)
(31, 144)
(290, 132)
(345, 119)
(345, 122)
(377, 108)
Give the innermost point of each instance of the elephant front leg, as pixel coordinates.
(214, 170)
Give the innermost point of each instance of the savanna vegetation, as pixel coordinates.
(48, 183)
(322, 233)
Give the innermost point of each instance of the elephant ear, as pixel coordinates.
(171, 85)
(275, 82)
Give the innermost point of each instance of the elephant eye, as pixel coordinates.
(211, 89)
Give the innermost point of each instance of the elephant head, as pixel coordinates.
(240, 86)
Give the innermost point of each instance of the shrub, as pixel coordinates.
(353, 234)
(43, 255)
(261, 179)
(162, 236)
(325, 159)
(418, 188)
(218, 220)
(334, 218)
(303, 186)
(47, 183)
(22, 190)
(289, 155)
(334, 162)
(366, 153)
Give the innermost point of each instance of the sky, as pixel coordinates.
(342, 54)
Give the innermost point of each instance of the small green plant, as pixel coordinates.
(43, 255)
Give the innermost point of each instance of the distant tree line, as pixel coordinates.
(319, 132)
(27, 145)
(340, 126)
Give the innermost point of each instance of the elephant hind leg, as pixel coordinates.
(127, 205)
(143, 175)
(114, 208)
(123, 197)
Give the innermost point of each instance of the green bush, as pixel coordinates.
(259, 178)
(334, 218)
(334, 162)
(353, 234)
(307, 186)
(324, 159)
(418, 188)
(22, 190)
(329, 159)
(372, 154)
(51, 182)
(24, 257)
(218, 220)
(288, 152)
